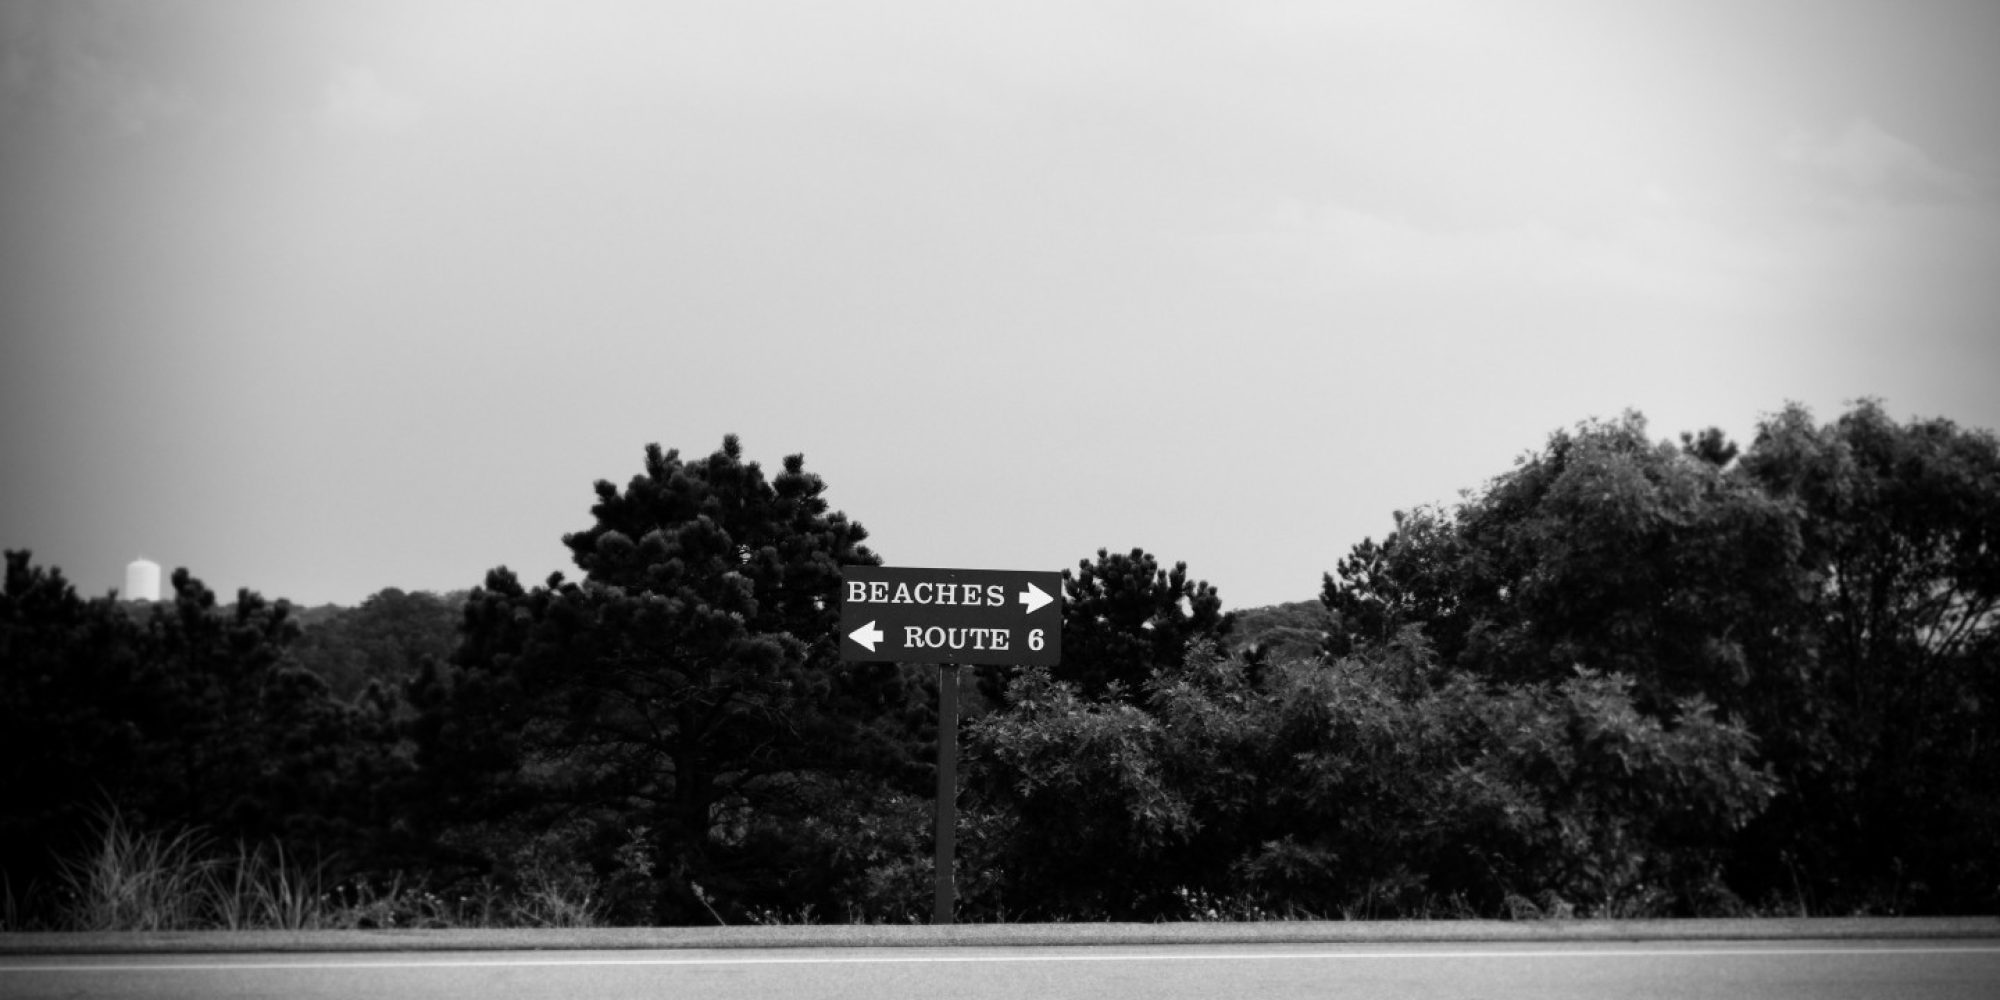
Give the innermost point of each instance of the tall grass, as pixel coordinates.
(11, 908)
(547, 902)
(134, 880)
(261, 890)
(137, 881)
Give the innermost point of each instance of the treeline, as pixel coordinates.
(1624, 678)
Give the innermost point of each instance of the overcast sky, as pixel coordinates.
(319, 298)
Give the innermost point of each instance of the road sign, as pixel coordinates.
(949, 617)
(907, 615)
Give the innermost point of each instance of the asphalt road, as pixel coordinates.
(1740, 970)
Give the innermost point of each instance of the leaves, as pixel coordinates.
(681, 685)
(1124, 616)
(1626, 677)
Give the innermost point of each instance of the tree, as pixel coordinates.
(243, 741)
(1604, 550)
(674, 698)
(1358, 787)
(1832, 587)
(187, 715)
(1895, 710)
(1124, 617)
(209, 666)
(67, 696)
(1412, 577)
(384, 641)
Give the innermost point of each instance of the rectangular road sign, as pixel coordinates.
(909, 615)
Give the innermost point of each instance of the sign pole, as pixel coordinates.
(947, 789)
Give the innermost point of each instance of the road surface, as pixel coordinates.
(1747, 970)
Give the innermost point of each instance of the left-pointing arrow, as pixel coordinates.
(867, 636)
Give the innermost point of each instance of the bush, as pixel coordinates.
(1377, 785)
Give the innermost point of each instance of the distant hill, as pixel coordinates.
(1285, 631)
(307, 617)
(386, 638)
(318, 614)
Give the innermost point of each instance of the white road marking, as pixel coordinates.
(921, 959)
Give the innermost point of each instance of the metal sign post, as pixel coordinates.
(949, 617)
(947, 793)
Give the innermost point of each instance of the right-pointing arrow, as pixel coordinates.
(867, 636)
(1035, 598)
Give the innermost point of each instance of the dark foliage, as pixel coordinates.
(1883, 716)
(1832, 587)
(1281, 632)
(1357, 788)
(1125, 617)
(678, 712)
(1626, 678)
(384, 642)
(190, 716)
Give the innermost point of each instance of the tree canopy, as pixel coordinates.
(1627, 676)
(1124, 617)
(1833, 586)
(187, 714)
(665, 705)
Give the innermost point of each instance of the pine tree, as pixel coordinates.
(67, 694)
(676, 692)
(1125, 617)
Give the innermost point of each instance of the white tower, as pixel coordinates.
(142, 580)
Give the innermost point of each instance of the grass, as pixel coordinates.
(131, 879)
(137, 880)
(266, 890)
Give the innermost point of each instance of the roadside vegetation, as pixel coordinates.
(137, 880)
(1627, 677)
